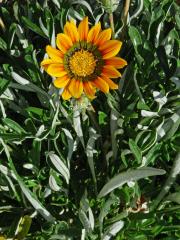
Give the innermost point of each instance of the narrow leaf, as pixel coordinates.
(33, 27)
(145, 113)
(27, 85)
(105, 209)
(135, 37)
(84, 220)
(60, 166)
(13, 125)
(89, 152)
(3, 85)
(85, 4)
(135, 150)
(77, 124)
(23, 227)
(131, 175)
(70, 145)
(113, 230)
(53, 184)
(173, 197)
(169, 127)
(31, 197)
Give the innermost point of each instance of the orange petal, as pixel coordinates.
(110, 48)
(56, 70)
(83, 29)
(75, 88)
(93, 33)
(104, 36)
(46, 62)
(54, 53)
(116, 62)
(88, 89)
(111, 84)
(70, 30)
(101, 84)
(61, 82)
(66, 95)
(111, 72)
(63, 42)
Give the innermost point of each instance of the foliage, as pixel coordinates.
(69, 170)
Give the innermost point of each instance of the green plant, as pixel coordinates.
(69, 169)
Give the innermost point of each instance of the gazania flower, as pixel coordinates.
(84, 60)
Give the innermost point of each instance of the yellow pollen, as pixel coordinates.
(82, 63)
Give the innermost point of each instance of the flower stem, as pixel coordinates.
(126, 10)
(111, 20)
(124, 18)
(93, 118)
(169, 182)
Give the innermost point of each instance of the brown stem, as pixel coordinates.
(124, 18)
(126, 9)
(111, 19)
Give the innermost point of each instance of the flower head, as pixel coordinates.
(84, 60)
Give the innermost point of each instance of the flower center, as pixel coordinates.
(82, 63)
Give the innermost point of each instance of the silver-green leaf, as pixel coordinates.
(131, 175)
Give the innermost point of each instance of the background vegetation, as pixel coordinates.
(59, 158)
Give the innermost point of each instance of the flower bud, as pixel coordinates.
(109, 5)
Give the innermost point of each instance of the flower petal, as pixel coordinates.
(111, 72)
(61, 82)
(70, 30)
(56, 70)
(54, 53)
(93, 33)
(66, 95)
(88, 89)
(83, 29)
(46, 62)
(63, 42)
(101, 84)
(116, 62)
(110, 48)
(111, 84)
(104, 36)
(76, 88)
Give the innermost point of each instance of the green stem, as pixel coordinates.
(96, 126)
(94, 120)
(169, 182)
(137, 87)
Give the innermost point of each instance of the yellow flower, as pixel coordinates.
(84, 60)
